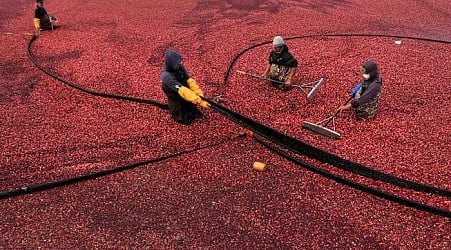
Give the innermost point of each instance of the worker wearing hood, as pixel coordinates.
(281, 65)
(182, 91)
(368, 93)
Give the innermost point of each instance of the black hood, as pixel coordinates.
(172, 60)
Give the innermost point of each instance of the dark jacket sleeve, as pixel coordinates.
(369, 93)
(291, 62)
(169, 82)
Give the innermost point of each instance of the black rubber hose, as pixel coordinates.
(101, 94)
(226, 76)
(361, 187)
(300, 147)
(68, 181)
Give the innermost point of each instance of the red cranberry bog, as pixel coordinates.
(91, 159)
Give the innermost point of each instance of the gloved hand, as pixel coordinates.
(204, 104)
(194, 87)
(188, 95)
(37, 23)
(356, 88)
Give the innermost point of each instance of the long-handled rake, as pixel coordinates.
(313, 86)
(322, 129)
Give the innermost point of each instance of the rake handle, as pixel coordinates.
(305, 85)
(260, 77)
(337, 112)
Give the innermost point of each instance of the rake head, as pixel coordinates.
(321, 130)
(315, 89)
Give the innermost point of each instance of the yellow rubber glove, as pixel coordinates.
(204, 104)
(37, 23)
(189, 95)
(194, 87)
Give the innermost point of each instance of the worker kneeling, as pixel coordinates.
(367, 93)
(182, 91)
(281, 66)
(42, 20)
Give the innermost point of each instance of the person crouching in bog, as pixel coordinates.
(182, 91)
(42, 20)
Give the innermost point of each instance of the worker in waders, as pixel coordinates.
(182, 91)
(282, 65)
(367, 93)
(42, 20)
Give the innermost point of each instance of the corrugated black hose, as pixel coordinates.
(356, 185)
(91, 92)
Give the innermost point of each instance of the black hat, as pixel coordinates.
(39, 1)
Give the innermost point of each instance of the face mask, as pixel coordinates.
(366, 76)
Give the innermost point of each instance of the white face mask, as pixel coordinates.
(366, 76)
